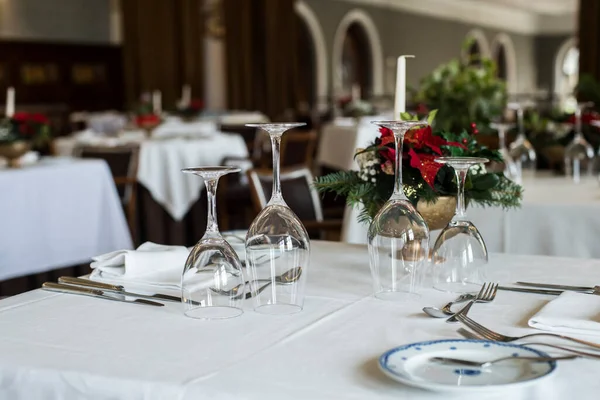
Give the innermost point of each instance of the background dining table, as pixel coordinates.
(58, 213)
(61, 346)
(557, 218)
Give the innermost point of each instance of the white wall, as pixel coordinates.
(80, 21)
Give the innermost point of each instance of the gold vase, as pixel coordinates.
(13, 151)
(438, 214)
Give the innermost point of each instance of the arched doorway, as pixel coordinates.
(306, 89)
(357, 34)
(356, 62)
(503, 52)
(566, 75)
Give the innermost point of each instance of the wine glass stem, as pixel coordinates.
(211, 193)
(398, 193)
(461, 177)
(521, 122)
(501, 138)
(276, 145)
(578, 120)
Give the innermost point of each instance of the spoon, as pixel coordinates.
(445, 311)
(288, 277)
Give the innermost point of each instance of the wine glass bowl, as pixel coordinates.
(212, 278)
(510, 168)
(522, 151)
(398, 237)
(579, 154)
(277, 243)
(459, 255)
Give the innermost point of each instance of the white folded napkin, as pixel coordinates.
(150, 263)
(571, 312)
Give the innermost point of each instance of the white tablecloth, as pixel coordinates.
(57, 346)
(58, 213)
(161, 163)
(340, 139)
(557, 218)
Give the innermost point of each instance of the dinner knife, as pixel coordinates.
(527, 290)
(69, 280)
(586, 289)
(58, 287)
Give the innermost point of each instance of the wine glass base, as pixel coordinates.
(278, 309)
(390, 295)
(214, 312)
(458, 287)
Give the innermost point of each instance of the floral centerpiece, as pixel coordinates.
(145, 117)
(20, 133)
(190, 110)
(425, 181)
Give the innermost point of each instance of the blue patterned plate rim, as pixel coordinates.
(383, 359)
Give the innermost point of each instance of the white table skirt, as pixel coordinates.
(57, 346)
(58, 213)
(557, 218)
(161, 163)
(340, 139)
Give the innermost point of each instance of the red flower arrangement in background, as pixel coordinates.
(26, 126)
(586, 117)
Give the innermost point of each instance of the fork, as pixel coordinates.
(470, 335)
(498, 337)
(486, 294)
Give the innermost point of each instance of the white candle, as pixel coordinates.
(157, 102)
(10, 102)
(400, 100)
(355, 92)
(186, 95)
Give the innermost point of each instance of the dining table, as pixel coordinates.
(64, 346)
(557, 217)
(58, 212)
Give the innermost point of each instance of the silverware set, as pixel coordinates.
(477, 331)
(106, 291)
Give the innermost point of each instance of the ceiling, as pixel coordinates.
(545, 7)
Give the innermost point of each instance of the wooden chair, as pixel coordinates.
(301, 197)
(298, 148)
(123, 164)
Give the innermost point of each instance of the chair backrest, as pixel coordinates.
(298, 148)
(123, 164)
(246, 132)
(296, 188)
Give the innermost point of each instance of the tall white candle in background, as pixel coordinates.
(355, 92)
(186, 95)
(400, 100)
(157, 102)
(10, 102)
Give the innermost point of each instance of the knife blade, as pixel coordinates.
(526, 290)
(593, 290)
(60, 288)
(69, 280)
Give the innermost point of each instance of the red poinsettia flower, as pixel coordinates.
(147, 120)
(196, 104)
(39, 118)
(426, 164)
(20, 117)
(586, 118)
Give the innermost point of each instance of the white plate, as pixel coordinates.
(411, 365)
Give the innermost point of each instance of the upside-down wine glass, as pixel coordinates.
(212, 284)
(579, 154)
(398, 236)
(522, 151)
(510, 168)
(459, 255)
(277, 245)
